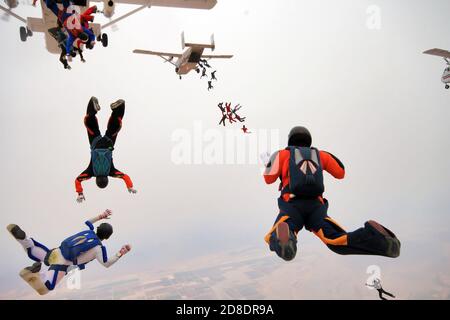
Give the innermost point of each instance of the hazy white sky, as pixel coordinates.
(368, 96)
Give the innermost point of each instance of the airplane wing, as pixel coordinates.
(224, 56)
(161, 54)
(438, 52)
(189, 4)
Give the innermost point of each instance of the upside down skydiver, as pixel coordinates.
(300, 168)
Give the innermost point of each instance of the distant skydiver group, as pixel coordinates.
(72, 32)
(231, 115)
(203, 63)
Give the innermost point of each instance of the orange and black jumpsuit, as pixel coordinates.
(114, 126)
(311, 213)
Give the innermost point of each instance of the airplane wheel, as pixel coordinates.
(23, 34)
(447, 86)
(29, 33)
(197, 70)
(104, 40)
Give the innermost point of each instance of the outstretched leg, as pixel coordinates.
(90, 120)
(380, 294)
(387, 293)
(282, 238)
(115, 121)
(35, 250)
(372, 239)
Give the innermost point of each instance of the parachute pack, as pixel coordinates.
(305, 172)
(72, 247)
(101, 158)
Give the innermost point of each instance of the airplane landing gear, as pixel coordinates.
(180, 77)
(25, 33)
(197, 70)
(447, 86)
(103, 38)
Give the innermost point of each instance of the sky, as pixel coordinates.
(363, 88)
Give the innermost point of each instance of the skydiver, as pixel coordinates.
(213, 75)
(78, 45)
(228, 107)
(204, 73)
(245, 129)
(377, 285)
(300, 168)
(205, 62)
(60, 38)
(101, 164)
(62, 15)
(210, 86)
(224, 114)
(234, 111)
(51, 265)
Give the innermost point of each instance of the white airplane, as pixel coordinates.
(49, 20)
(190, 58)
(446, 55)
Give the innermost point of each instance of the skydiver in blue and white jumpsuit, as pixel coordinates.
(57, 261)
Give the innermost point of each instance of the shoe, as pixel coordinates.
(96, 104)
(35, 268)
(282, 232)
(117, 104)
(16, 232)
(393, 244)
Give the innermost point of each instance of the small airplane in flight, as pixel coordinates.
(190, 58)
(49, 20)
(446, 55)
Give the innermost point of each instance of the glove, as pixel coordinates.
(124, 250)
(105, 215)
(131, 190)
(265, 157)
(80, 198)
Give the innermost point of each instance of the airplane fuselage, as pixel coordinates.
(189, 60)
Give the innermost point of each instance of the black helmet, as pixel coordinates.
(83, 37)
(299, 137)
(102, 182)
(104, 231)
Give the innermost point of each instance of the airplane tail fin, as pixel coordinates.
(183, 43)
(213, 43)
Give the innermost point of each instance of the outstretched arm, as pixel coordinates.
(273, 167)
(118, 174)
(332, 165)
(105, 215)
(102, 255)
(85, 175)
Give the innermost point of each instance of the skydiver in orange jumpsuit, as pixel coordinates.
(300, 169)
